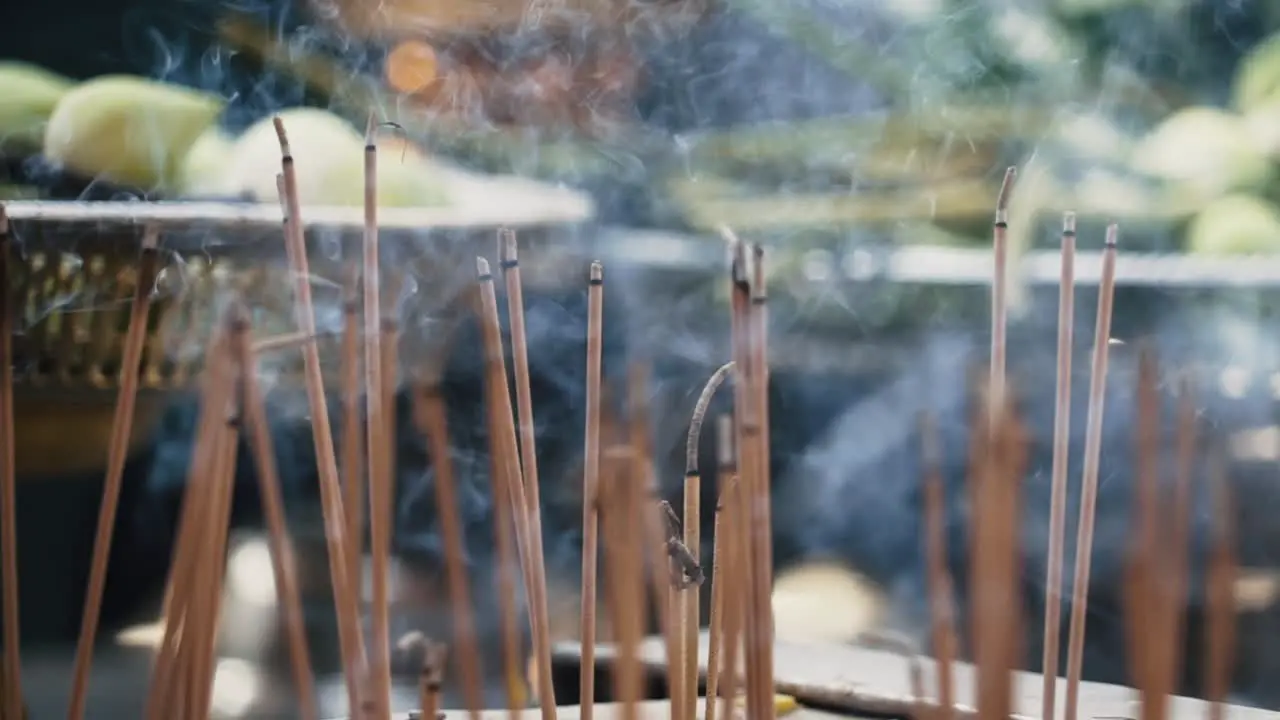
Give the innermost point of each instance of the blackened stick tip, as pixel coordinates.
(597, 272)
(370, 134)
(1068, 223)
(482, 269)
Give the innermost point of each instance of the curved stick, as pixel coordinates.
(700, 415)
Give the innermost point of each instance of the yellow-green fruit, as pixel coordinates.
(1235, 225)
(28, 95)
(1257, 79)
(328, 155)
(1203, 152)
(129, 130)
(205, 163)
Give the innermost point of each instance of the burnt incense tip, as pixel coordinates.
(1006, 190)
(690, 473)
(508, 249)
(1113, 236)
(483, 270)
(1068, 223)
(283, 137)
(370, 133)
(597, 273)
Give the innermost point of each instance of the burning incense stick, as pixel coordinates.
(1089, 492)
(941, 594)
(8, 487)
(510, 264)
(1000, 284)
(282, 559)
(1142, 601)
(430, 416)
(509, 496)
(591, 490)
(380, 499)
(726, 481)
(352, 443)
(118, 449)
(1061, 441)
(344, 590)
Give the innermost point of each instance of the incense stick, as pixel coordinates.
(510, 264)
(725, 480)
(431, 679)
(625, 572)
(283, 567)
(117, 452)
(380, 499)
(1089, 481)
(430, 416)
(1061, 442)
(344, 589)
(509, 500)
(995, 576)
(1144, 604)
(761, 513)
(941, 612)
(1000, 285)
(352, 442)
(168, 676)
(8, 487)
(591, 490)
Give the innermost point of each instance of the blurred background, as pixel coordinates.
(861, 142)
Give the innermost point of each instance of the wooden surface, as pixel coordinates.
(873, 681)
(652, 709)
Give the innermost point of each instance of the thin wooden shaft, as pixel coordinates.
(1089, 491)
(690, 623)
(8, 488)
(762, 505)
(215, 552)
(431, 418)
(590, 491)
(999, 286)
(940, 585)
(283, 565)
(117, 453)
(735, 595)
(720, 540)
(353, 474)
(529, 464)
(182, 565)
(376, 430)
(1220, 631)
(351, 645)
(1061, 448)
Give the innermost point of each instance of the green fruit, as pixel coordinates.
(1203, 152)
(1235, 225)
(1257, 79)
(29, 95)
(328, 155)
(205, 163)
(129, 130)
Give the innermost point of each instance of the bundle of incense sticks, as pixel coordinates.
(621, 506)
